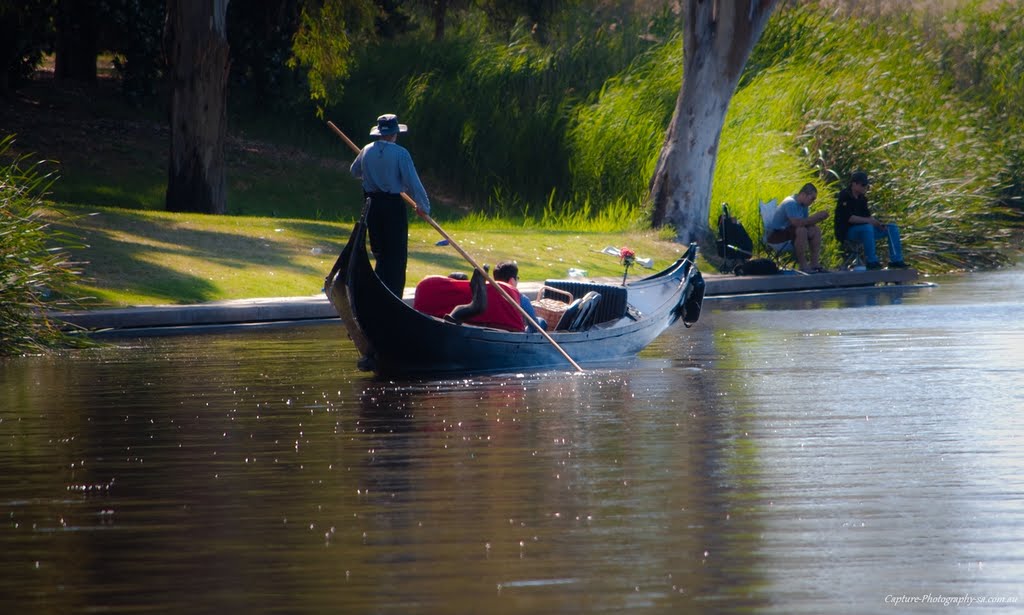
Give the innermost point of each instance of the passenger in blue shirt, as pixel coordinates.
(386, 170)
(508, 272)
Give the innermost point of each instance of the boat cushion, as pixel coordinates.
(580, 314)
(438, 295)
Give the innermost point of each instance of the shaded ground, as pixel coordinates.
(107, 152)
(71, 122)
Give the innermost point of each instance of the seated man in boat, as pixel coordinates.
(508, 272)
(854, 222)
(793, 222)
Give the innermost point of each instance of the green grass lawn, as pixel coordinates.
(144, 257)
(291, 210)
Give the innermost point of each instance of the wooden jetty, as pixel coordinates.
(791, 281)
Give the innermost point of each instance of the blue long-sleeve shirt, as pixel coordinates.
(384, 166)
(527, 305)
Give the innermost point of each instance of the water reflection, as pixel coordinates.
(810, 455)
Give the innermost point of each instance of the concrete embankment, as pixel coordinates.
(317, 307)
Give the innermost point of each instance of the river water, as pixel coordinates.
(855, 452)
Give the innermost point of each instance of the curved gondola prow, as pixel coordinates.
(336, 286)
(689, 306)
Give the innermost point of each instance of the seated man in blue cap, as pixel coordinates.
(854, 222)
(386, 170)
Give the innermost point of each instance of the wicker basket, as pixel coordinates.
(551, 303)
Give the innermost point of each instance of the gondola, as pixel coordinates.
(396, 339)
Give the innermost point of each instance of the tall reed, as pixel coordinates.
(32, 271)
(492, 111)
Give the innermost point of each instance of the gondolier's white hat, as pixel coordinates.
(387, 124)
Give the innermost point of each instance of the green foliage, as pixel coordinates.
(936, 170)
(493, 112)
(260, 35)
(825, 97)
(31, 270)
(509, 212)
(26, 31)
(133, 29)
(821, 98)
(614, 141)
(322, 46)
(567, 131)
(982, 48)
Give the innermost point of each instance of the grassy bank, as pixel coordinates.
(543, 153)
(824, 96)
(153, 257)
(292, 210)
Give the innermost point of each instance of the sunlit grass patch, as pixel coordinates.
(153, 257)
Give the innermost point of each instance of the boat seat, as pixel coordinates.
(580, 315)
(613, 298)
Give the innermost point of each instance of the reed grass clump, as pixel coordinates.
(32, 270)
(824, 97)
(492, 111)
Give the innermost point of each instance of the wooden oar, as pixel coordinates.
(422, 214)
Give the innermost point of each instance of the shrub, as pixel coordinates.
(31, 269)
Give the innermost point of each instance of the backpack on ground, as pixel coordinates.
(733, 241)
(757, 266)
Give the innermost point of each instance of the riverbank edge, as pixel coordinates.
(317, 307)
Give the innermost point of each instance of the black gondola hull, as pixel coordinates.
(401, 340)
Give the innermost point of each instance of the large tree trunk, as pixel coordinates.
(717, 40)
(197, 51)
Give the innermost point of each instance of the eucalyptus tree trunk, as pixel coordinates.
(197, 51)
(718, 36)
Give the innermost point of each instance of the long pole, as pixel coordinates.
(465, 255)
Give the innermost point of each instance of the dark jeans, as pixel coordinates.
(388, 225)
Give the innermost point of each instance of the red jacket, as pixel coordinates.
(437, 295)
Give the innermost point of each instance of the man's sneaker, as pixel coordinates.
(873, 266)
(898, 265)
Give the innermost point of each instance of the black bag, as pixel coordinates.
(757, 266)
(733, 241)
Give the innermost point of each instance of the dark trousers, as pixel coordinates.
(388, 225)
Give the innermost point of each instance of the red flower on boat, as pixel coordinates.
(627, 257)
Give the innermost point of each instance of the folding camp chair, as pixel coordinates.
(780, 253)
(853, 255)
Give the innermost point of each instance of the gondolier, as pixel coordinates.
(386, 170)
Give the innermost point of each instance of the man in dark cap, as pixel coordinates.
(386, 170)
(854, 222)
